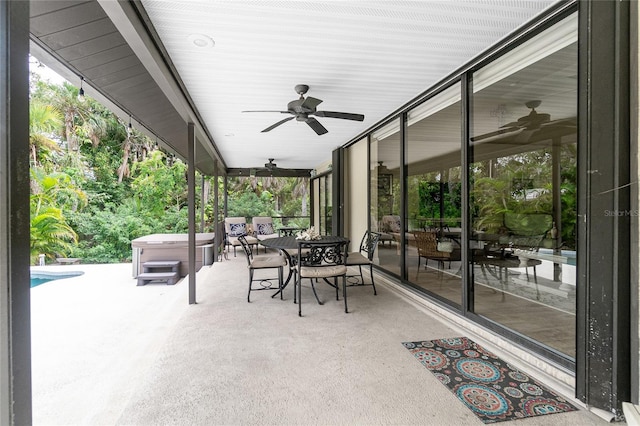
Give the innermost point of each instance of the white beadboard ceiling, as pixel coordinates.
(366, 57)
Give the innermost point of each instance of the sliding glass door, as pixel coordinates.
(385, 170)
(523, 188)
(434, 196)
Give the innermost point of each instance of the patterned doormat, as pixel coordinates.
(491, 388)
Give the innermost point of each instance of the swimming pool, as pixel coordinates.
(41, 277)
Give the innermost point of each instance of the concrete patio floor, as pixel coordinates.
(108, 352)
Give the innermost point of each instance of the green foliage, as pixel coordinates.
(250, 205)
(100, 183)
(522, 184)
(106, 234)
(158, 186)
(432, 196)
(51, 235)
(43, 121)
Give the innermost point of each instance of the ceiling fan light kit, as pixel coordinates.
(303, 109)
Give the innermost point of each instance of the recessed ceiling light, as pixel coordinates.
(202, 41)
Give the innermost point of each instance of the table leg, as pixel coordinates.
(291, 265)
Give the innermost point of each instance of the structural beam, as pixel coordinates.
(15, 312)
(191, 197)
(604, 210)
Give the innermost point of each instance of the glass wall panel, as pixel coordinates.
(522, 188)
(434, 191)
(385, 195)
(325, 201)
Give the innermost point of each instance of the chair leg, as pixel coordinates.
(344, 293)
(375, 293)
(280, 280)
(250, 282)
(335, 283)
(299, 285)
(361, 276)
(295, 290)
(313, 287)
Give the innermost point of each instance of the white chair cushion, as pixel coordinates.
(322, 271)
(236, 243)
(268, 262)
(266, 237)
(356, 258)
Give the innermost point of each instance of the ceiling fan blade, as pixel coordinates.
(525, 136)
(552, 133)
(282, 112)
(273, 126)
(311, 103)
(492, 134)
(343, 115)
(561, 121)
(316, 126)
(514, 124)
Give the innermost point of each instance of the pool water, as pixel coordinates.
(41, 277)
(569, 254)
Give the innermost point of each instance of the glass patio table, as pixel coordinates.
(288, 246)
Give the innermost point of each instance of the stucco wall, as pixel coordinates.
(356, 207)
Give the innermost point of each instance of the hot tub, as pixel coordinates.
(171, 247)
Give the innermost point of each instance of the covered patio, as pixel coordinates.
(222, 360)
(109, 352)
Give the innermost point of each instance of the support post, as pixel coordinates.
(216, 218)
(15, 311)
(203, 200)
(191, 198)
(604, 209)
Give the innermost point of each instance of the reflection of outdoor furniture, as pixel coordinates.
(433, 223)
(517, 247)
(262, 262)
(384, 237)
(503, 258)
(390, 227)
(367, 247)
(235, 227)
(68, 260)
(427, 243)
